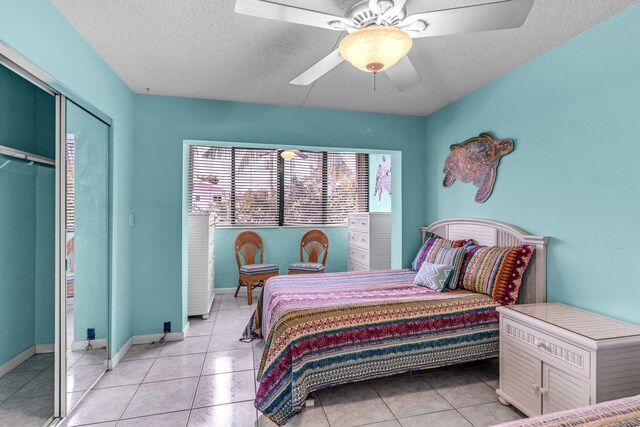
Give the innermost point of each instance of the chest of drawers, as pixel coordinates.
(201, 263)
(369, 246)
(555, 357)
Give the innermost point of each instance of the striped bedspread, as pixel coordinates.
(330, 329)
(621, 412)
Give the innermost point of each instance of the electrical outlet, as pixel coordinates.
(91, 334)
(167, 327)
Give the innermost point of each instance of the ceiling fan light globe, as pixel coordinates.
(375, 45)
(288, 154)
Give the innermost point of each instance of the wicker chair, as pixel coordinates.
(252, 275)
(315, 244)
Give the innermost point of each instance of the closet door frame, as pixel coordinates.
(14, 61)
(60, 376)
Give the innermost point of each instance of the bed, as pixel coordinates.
(620, 412)
(338, 328)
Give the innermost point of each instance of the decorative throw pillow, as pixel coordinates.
(432, 244)
(495, 271)
(449, 256)
(433, 276)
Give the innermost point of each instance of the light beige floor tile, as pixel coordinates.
(354, 404)
(174, 367)
(162, 397)
(312, 416)
(173, 419)
(190, 345)
(490, 414)
(220, 389)
(436, 419)
(102, 405)
(219, 362)
(241, 414)
(143, 351)
(410, 396)
(127, 372)
(460, 388)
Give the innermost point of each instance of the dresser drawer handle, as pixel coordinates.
(544, 391)
(542, 345)
(536, 387)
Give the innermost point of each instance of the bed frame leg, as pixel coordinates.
(309, 402)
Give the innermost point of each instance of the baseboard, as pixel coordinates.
(11, 364)
(226, 290)
(171, 336)
(113, 362)
(45, 348)
(185, 330)
(81, 345)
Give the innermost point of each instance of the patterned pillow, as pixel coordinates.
(495, 271)
(449, 256)
(433, 276)
(432, 244)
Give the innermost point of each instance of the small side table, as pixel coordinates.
(555, 357)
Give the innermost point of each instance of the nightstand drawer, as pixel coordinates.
(545, 346)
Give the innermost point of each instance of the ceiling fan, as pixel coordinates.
(381, 32)
(291, 154)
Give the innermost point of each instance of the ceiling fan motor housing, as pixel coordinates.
(363, 16)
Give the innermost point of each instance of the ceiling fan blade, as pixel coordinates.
(483, 17)
(295, 15)
(300, 154)
(403, 74)
(319, 69)
(397, 6)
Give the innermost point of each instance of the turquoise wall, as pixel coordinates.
(40, 33)
(573, 113)
(162, 123)
(17, 261)
(45, 260)
(27, 215)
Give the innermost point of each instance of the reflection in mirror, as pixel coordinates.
(87, 228)
(27, 252)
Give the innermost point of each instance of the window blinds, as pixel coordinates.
(239, 184)
(256, 187)
(70, 152)
(324, 188)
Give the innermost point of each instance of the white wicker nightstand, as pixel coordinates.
(555, 357)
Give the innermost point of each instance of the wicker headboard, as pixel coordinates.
(494, 233)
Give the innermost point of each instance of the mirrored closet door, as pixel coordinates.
(87, 250)
(27, 251)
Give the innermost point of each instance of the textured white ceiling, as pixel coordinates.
(202, 49)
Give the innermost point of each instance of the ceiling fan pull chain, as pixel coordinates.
(374, 81)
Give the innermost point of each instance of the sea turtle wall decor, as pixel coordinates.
(476, 160)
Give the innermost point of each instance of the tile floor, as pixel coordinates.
(83, 366)
(209, 380)
(26, 393)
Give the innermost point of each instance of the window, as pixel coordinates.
(251, 186)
